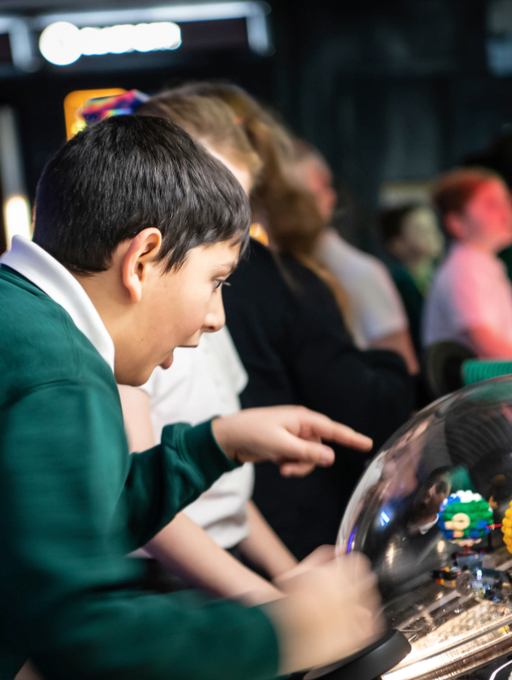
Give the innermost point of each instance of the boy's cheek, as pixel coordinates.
(192, 337)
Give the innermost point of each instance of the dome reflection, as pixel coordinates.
(430, 514)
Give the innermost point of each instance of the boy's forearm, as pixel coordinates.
(65, 532)
(163, 480)
(184, 547)
(263, 548)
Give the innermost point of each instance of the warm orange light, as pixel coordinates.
(75, 100)
(259, 233)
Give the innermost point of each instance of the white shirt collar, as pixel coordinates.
(43, 270)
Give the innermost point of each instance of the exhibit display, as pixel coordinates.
(433, 512)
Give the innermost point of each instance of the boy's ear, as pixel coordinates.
(455, 226)
(137, 260)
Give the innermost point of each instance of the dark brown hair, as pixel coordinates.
(125, 174)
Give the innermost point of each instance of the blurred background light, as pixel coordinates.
(141, 30)
(16, 208)
(93, 41)
(60, 43)
(17, 218)
(16, 44)
(63, 43)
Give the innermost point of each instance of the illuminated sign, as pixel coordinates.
(63, 43)
(66, 37)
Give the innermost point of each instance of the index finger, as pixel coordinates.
(291, 469)
(328, 429)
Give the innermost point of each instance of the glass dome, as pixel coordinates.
(433, 514)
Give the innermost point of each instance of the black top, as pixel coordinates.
(413, 300)
(294, 345)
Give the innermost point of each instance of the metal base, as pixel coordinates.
(369, 663)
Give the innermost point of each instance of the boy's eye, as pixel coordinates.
(218, 283)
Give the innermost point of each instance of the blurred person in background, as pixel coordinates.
(412, 237)
(284, 312)
(377, 316)
(498, 158)
(470, 301)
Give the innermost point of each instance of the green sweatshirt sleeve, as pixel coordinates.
(68, 499)
(166, 478)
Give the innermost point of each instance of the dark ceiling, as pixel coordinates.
(28, 7)
(389, 90)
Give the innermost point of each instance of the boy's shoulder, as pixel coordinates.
(40, 343)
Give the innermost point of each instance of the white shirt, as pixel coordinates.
(470, 289)
(43, 270)
(375, 304)
(204, 382)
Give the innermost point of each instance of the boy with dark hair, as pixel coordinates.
(81, 224)
(136, 229)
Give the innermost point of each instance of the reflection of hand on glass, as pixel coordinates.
(426, 506)
(506, 410)
(399, 521)
(391, 476)
(399, 475)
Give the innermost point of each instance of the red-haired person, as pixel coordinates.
(471, 298)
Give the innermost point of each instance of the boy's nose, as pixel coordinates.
(216, 318)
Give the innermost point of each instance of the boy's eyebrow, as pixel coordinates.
(228, 267)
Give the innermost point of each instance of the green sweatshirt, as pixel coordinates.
(73, 503)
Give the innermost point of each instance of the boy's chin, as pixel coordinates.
(167, 363)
